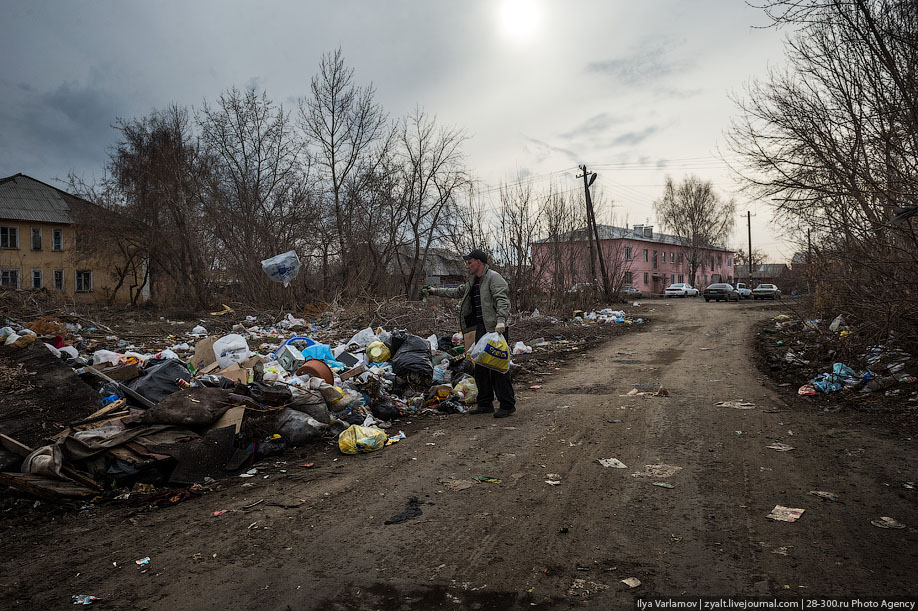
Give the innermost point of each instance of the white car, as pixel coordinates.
(744, 291)
(680, 289)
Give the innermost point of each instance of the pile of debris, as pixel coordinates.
(205, 406)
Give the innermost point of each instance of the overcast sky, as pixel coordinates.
(635, 90)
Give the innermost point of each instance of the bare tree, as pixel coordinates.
(696, 215)
(348, 132)
(258, 193)
(519, 223)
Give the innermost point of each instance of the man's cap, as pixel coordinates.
(477, 254)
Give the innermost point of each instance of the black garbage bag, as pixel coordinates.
(445, 343)
(385, 410)
(192, 407)
(413, 356)
(158, 379)
(268, 394)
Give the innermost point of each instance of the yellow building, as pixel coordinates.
(38, 245)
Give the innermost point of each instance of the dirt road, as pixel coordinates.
(316, 539)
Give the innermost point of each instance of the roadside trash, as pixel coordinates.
(554, 479)
(785, 514)
(535, 387)
(582, 587)
(837, 323)
(143, 561)
(737, 404)
(412, 510)
(231, 349)
(220, 513)
(456, 484)
(807, 390)
(612, 462)
(780, 447)
(487, 479)
(795, 359)
(521, 348)
(395, 438)
(283, 267)
(358, 439)
(249, 473)
(825, 496)
(659, 470)
(466, 390)
(83, 599)
(378, 352)
(663, 485)
(631, 582)
(491, 351)
(887, 522)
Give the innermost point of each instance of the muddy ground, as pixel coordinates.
(316, 538)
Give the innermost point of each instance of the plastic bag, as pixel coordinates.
(412, 356)
(521, 348)
(361, 439)
(378, 352)
(230, 349)
(297, 427)
(363, 338)
(105, 356)
(466, 390)
(283, 267)
(491, 351)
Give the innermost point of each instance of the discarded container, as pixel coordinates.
(83, 599)
(289, 357)
(378, 352)
(785, 514)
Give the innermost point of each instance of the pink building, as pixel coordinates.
(634, 257)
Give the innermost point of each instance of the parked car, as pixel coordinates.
(721, 291)
(744, 291)
(680, 289)
(766, 291)
(585, 287)
(629, 292)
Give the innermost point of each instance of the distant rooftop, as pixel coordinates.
(23, 198)
(643, 233)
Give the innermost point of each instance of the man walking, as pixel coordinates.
(485, 308)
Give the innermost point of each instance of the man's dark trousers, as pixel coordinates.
(490, 382)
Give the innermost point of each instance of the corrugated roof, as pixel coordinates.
(609, 232)
(22, 198)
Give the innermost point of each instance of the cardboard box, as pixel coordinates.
(355, 371)
(122, 373)
(236, 373)
(204, 353)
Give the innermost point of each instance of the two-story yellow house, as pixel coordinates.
(38, 244)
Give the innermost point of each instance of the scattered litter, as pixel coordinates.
(582, 587)
(631, 582)
(780, 447)
(785, 514)
(737, 404)
(535, 387)
(807, 390)
(221, 512)
(249, 473)
(660, 470)
(83, 599)
(143, 561)
(887, 522)
(487, 479)
(612, 462)
(782, 550)
(663, 485)
(554, 479)
(396, 438)
(826, 496)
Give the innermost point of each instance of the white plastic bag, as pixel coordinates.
(363, 338)
(521, 348)
(105, 356)
(491, 351)
(283, 267)
(230, 349)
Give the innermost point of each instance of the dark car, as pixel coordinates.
(766, 291)
(721, 291)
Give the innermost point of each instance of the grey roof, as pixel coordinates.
(610, 232)
(762, 271)
(439, 261)
(22, 198)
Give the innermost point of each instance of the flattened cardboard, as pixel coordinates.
(204, 352)
(231, 417)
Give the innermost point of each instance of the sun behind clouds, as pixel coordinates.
(519, 19)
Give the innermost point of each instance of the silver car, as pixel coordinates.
(680, 289)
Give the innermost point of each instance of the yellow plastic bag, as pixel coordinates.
(467, 390)
(361, 439)
(378, 352)
(491, 351)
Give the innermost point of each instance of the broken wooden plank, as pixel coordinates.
(114, 406)
(45, 487)
(23, 450)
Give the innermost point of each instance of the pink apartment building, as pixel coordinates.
(634, 257)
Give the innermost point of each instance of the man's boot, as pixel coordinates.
(482, 409)
(504, 412)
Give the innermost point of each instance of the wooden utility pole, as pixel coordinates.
(588, 178)
(749, 230)
(589, 217)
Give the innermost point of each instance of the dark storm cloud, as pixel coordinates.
(64, 128)
(649, 62)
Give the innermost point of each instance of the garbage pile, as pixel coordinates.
(215, 404)
(805, 342)
(606, 315)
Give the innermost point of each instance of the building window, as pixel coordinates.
(627, 253)
(720, 261)
(672, 278)
(655, 259)
(681, 259)
(59, 279)
(681, 277)
(83, 280)
(9, 237)
(646, 258)
(36, 238)
(645, 275)
(729, 261)
(629, 278)
(10, 278)
(672, 256)
(37, 279)
(57, 239)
